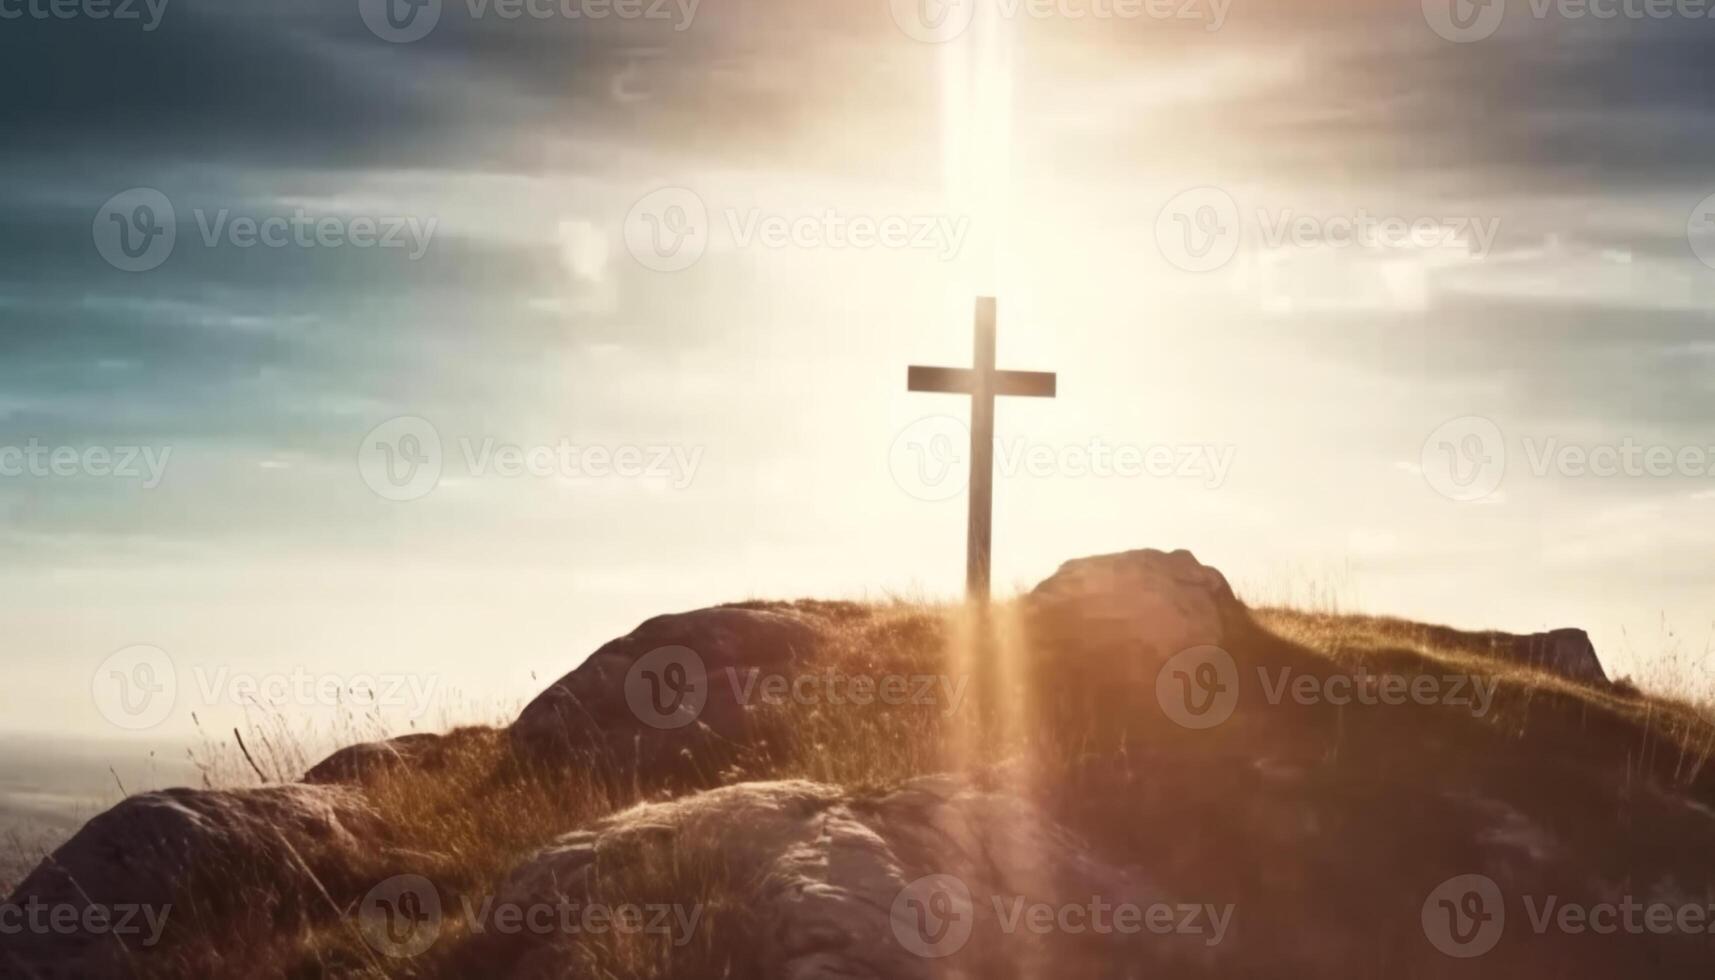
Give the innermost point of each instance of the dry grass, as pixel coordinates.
(467, 824)
(21, 849)
(1680, 724)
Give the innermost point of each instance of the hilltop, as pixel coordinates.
(1157, 778)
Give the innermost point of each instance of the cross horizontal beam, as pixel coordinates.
(1021, 384)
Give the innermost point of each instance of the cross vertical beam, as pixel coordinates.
(979, 535)
(983, 383)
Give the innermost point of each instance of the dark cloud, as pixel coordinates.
(1539, 361)
(1370, 93)
(237, 103)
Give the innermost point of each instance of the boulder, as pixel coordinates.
(666, 699)
(831, 884)
(1567, 652)
(1102, 629)
(268, 855)
(421, 751)
(368, 760)
(1163, 602)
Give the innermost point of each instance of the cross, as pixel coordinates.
(982, 382)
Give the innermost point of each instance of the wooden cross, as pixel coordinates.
(982, 382)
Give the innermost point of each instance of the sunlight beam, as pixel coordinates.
(976, 128)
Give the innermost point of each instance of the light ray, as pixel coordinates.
(976, 116)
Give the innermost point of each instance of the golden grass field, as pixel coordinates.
(467, 824)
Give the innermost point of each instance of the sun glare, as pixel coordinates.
(976, 113)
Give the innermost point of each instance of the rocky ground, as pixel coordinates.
(1155, 781)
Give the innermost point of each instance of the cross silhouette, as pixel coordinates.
(982, 382)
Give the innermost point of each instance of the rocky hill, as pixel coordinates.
(1151, 780)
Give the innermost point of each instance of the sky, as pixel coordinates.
(421, 354)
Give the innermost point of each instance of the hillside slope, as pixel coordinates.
(1153, 779)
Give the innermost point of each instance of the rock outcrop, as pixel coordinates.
(1158, 601)
(182, 855)
(911, 885)
(1567, 652)
(664, 696)
(1102, 628)
(421, 751)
